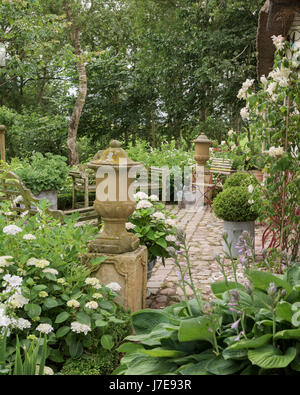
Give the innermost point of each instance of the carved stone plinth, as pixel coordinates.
(129, 270)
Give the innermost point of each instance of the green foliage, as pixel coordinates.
(33, 131)
(154, 225)
(240, 179)
(232, 204)
(102, 363)
(57, 295)
(247, 329)
(43, 172)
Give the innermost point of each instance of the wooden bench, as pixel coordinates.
(22, 200)
(152, 182)
(218, 168)
(81, 181)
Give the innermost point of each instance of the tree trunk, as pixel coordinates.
(82, 91)
(153, 131)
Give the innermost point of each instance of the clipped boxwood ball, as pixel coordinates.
(232, 205)
(240, 179)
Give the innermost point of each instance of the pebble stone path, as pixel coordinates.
(204, 236)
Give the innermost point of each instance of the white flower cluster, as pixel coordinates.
(44, 328)
(11, 230)
(242, 94)
(41, 263)
(73, 303)
(276, 151)
(29, 236)
(129, 226)
(77, 327)
(93, 282)
(114, 287)
(278, 41)
(281, 76)
(159, 215)
(245, 113)
(143, 204)
(140, 196)
(5, 261)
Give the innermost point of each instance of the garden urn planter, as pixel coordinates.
(115, 175)
(234, 230)
(51, 196)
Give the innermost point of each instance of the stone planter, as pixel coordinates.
(234, 231)
(51, 196)
(150, 267)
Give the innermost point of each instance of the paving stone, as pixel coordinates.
(204, 235)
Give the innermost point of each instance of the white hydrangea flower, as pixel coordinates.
(154, 198)
(21, 323)
(91, 305)
(114, 286)
(44, 328)
(43, 294)
(159, 215)
(97, 295)
(29, 236)
(170, 221)
(140, 196)
(143, 204)
(77, 327)
(230, 132)
(11, 229)
(4, 261)
(250, 188)
(13, 281)
(250, 201)
(17, 301)
(93, 281)
(41, 263)
(50, 270)
(171, 238)
(129, 225)
(73, 303)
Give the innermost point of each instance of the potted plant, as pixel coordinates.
(236, 206)
(154, 226)
(44, 175)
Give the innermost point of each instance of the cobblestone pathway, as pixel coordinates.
(204, 236)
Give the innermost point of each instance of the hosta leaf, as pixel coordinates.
(269, 357)
(262, 281)
(219, 287)
(160, 352)
(235, 354)
(145, 320)
(141, 364)
(288, 334)
(195, 329)
(284, 311)
(221, 366)
(250, 343)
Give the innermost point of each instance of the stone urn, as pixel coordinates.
(234, 230)
(115, 175)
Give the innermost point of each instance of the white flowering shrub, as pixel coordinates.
(45, 289)
(154, 225)
(272, 115)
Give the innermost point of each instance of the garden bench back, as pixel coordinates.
(153, 182)
(22, 200)
(84, 182)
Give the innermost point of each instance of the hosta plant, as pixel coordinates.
(249, 328)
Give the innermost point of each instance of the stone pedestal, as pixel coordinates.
(129, 270)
